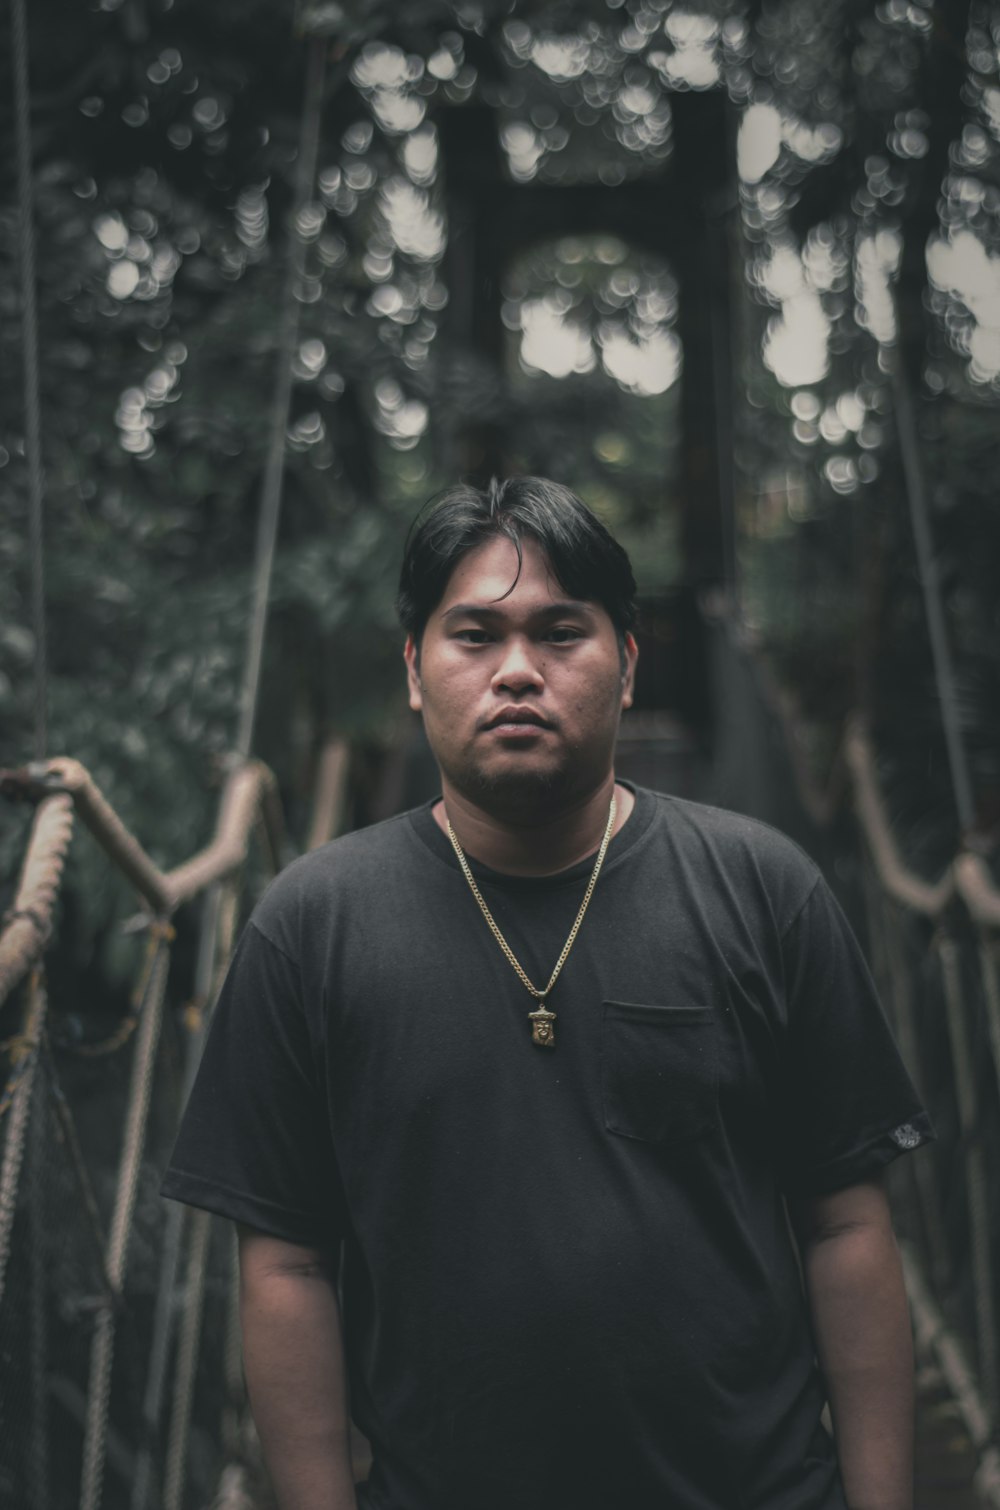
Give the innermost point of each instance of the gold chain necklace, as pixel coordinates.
(542, 1020)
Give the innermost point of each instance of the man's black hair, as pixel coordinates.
(586, 559)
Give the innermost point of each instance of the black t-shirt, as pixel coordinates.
(567, 1274)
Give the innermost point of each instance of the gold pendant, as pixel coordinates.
(542, 1030)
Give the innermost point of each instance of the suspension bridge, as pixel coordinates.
(119, 1344)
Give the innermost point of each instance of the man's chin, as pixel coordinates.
(508, 781)
(513, 780)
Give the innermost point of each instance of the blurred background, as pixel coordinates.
(730, 272)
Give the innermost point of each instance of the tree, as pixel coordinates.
(165, 141)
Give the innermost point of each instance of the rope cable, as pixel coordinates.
(29, 348)
(20, 1112)
(38, 1448)
(70, 1140)
(271, 487)
(187, 1362)
(103, 1341)
(232, 1358)
(163, 1323)
(977, 1182)
(930, 582)
(989, 967)
(215, 944)
(218, 917)
(923, 1171)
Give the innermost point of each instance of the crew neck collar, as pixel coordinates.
(638, 821)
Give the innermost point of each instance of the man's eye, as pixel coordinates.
(472, 636)
(564, 634)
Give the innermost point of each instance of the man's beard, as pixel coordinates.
(508, 783)
(512, 790)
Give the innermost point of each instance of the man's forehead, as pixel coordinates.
(495, 569)
(501, 595)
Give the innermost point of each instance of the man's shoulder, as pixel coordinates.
(358, 864)
(734, 830)
(728, 846)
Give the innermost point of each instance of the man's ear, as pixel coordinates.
(411, 655)
(631, 655)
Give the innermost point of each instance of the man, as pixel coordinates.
(534, 1078)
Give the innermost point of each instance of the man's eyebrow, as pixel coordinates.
(558, 610)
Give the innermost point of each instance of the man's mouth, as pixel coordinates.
(515, 716)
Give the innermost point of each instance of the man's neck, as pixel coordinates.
(541, 843)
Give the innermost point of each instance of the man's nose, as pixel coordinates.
(519, 669)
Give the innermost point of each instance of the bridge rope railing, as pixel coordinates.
(964, 886)
(248, 789)
(27, 925)
(935, 951)
(155, 1457)
(35, 1108)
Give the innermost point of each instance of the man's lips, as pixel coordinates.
(528, 718)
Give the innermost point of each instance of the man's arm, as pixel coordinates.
(294, 1361)
(854, 1283)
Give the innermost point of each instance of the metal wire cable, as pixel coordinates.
(29, 349)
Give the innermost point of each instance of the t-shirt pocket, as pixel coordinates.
(660, 1078)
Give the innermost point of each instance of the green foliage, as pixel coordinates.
(165, 141)
(884, 156)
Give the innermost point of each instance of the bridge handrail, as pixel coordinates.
(976, 887)
(29, 921)
(897, 890)
(967, 875)
(63, 785)
(930, 899)
(63, 788)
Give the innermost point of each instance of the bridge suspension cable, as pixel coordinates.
(272, 485)
(29, 353)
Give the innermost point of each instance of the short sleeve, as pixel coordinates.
(849, 1106)
(254, 1141)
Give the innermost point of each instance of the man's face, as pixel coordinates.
(521, 691)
